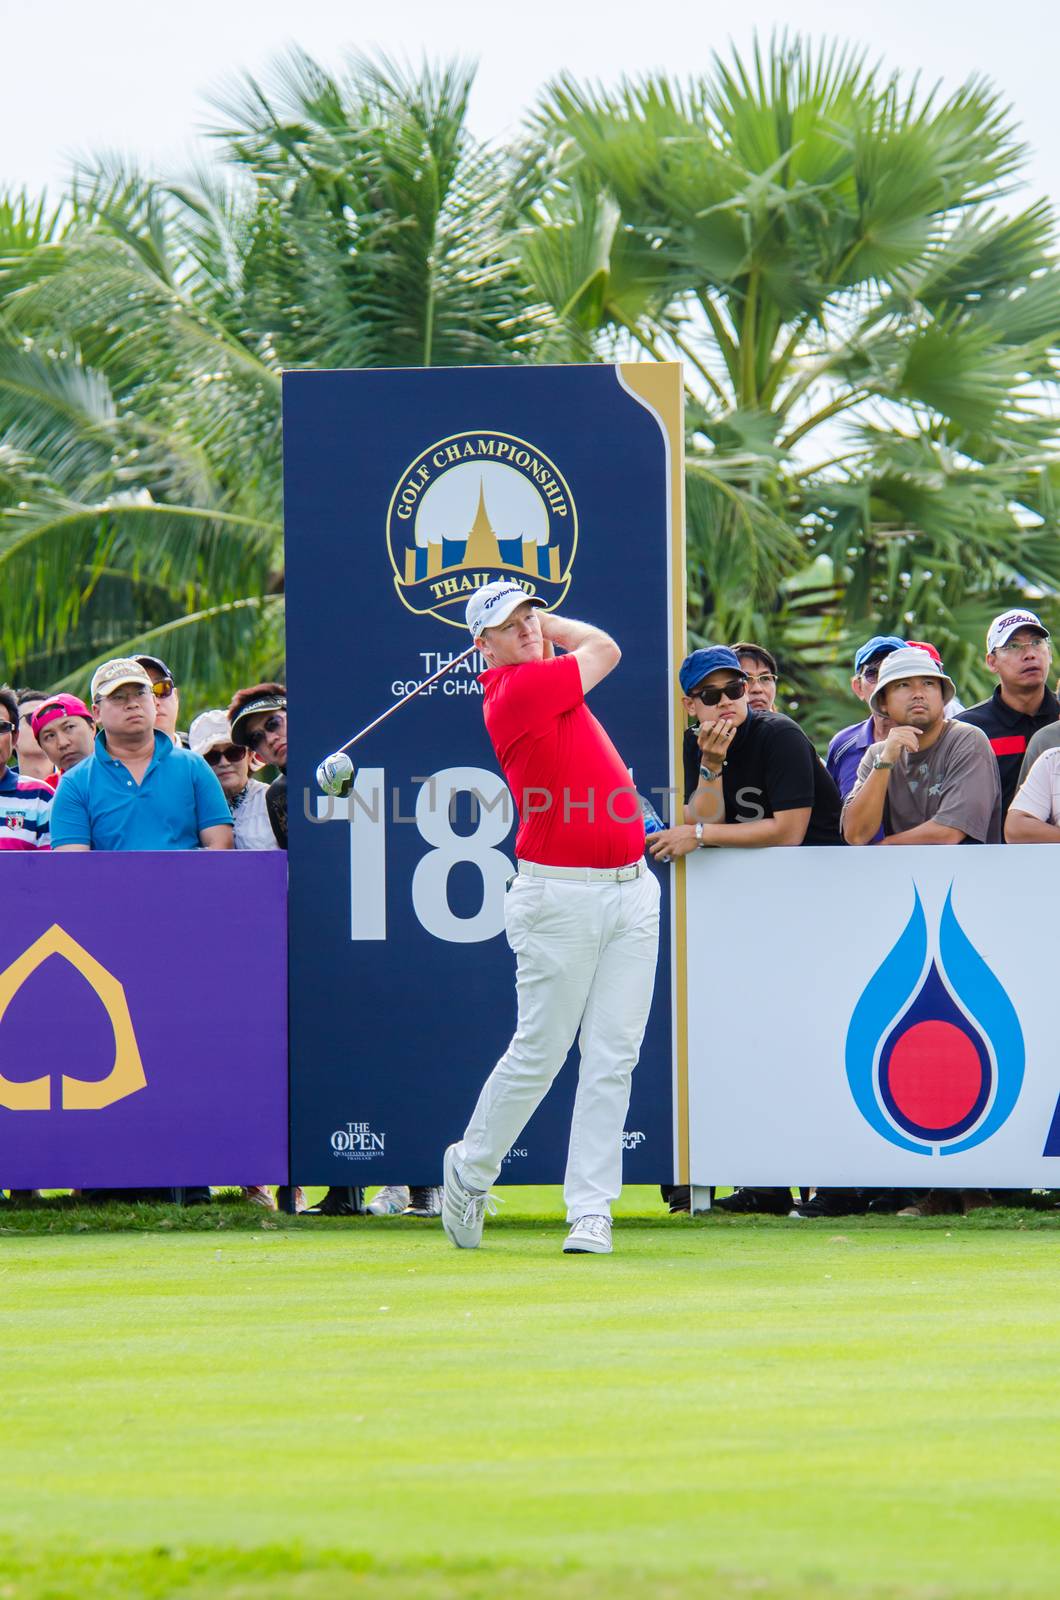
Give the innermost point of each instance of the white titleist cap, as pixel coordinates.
(494, 603)
(1010, 622)
(911, 662)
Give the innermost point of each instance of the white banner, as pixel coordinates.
(863, 1017)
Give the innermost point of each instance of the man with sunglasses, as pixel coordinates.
(25, 803)
(210, 737)
(257, 717)
(752, 778)
(64, 729)
(139, 790)
(1019, 654)
(849, 744)
(167, 696)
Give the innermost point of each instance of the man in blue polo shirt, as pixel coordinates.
(138, 790)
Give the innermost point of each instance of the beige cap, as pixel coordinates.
(112, 674)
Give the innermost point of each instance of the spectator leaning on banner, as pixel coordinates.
(752, 778)
(25, 803)
(64, 729)
(1018, 652)
(1034, 815)
(139, 791)
(760, 667)
(849, 744)
(257, 717)
(210, 737)
(930, 781)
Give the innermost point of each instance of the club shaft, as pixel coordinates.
(389, 712)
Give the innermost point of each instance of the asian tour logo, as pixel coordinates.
(934, 1050)
(475, 507)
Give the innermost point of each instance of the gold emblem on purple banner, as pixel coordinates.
(126, 1075)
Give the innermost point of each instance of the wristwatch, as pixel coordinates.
(882, 766)
(698, 830)
(711, 777)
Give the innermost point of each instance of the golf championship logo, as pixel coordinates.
(934, 1051)
(475, 507)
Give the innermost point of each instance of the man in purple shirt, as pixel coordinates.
(850, 744)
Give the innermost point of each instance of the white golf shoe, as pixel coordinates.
(463, 1210)
(589, 1236)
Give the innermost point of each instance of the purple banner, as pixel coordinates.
(143, 1020)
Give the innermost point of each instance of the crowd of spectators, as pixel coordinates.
(115, 773)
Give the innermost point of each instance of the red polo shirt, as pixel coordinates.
(577, 807)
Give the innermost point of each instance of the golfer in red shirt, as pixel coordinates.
(581, 915)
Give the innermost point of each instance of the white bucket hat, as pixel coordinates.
(910, 663)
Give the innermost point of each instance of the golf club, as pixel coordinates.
(326, 776)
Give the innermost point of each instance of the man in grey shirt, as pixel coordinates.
(931, 781)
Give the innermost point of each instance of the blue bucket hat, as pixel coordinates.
(880, 645)
(701, 663)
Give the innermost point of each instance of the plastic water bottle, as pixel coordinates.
(653, 823)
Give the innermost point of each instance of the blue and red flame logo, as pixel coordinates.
(934, 1051)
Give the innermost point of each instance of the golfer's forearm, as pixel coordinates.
(570, 635)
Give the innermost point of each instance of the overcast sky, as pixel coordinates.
(133, 76)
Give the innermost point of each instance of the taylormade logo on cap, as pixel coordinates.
(1010, 622)
(494, 603)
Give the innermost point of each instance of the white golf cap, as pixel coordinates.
(208, 729)
(1010, 622)
(112, 674)
(494, 603)
(910, 663)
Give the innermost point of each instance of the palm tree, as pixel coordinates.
(869, 340)
(144, 327)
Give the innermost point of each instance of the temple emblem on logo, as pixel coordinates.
(126, 1075)
(474, 508)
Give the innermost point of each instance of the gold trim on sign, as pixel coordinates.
(660, 387)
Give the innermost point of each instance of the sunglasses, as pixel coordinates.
(271, 724)
(712, 697)
(232, 753)
(163, 689)
(7, 727)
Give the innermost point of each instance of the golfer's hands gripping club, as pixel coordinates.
(335, 775)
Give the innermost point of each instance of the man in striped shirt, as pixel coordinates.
(25, 803)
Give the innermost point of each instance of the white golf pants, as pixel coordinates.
(585, 956)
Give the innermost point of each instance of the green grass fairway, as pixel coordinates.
(229, 1405)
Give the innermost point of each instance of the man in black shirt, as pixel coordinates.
(1019, 652)
(752, 778)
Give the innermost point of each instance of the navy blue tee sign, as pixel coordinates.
(405, 491)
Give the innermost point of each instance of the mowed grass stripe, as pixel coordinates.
(791, 1404)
